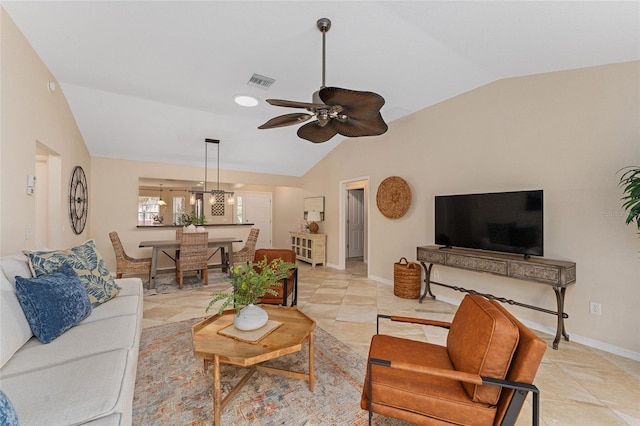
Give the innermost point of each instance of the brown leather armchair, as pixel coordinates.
(289, 284)
(481, 377)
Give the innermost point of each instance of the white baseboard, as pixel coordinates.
(380, 280)
(587, 341)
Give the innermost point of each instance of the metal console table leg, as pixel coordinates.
(427, 282)
(559, 312)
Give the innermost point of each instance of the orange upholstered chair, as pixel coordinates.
(289, 285)
(481, 377)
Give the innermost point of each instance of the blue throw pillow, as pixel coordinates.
(8, 416)
(88, 264)
(53, 303)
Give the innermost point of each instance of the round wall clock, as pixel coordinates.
(393, 197)
(78, 200)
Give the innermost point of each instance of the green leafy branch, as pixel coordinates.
(251, 281)
(630, 184)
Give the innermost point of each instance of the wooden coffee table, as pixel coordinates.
(286, 339)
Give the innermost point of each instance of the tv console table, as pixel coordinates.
(555, 273)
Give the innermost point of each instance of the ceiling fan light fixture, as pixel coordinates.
(245, 100)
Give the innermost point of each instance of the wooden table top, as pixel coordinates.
(286, 339)
(176, 243)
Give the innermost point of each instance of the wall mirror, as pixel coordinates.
(314, 203)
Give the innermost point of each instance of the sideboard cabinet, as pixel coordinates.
(310, 248)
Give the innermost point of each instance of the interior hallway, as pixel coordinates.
(579, 385)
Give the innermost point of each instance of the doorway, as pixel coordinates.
(255, 207)
(49, 223)
(354, 222)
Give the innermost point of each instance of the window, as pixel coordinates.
(239, 209)
(178, 208)
(147, 208)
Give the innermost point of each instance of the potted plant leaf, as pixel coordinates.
(191, 219)
(630, 183)
(251, 281)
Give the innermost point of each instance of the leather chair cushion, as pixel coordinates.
(278, 299)
(482, 340)
(412, 396)
(287, 256)
(525, 362)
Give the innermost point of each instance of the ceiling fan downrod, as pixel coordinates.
(324, 24)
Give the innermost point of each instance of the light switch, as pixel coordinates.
(31, 184)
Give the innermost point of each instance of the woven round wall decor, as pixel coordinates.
(393, 197)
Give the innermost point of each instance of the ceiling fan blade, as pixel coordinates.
(295, 104)
(355, 104)
(315, 133)
(354, 128)
(286, 120)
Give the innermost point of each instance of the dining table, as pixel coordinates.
(225, 245)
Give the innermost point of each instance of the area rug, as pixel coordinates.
(172, 387)
(166, 283)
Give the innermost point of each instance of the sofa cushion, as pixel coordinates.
(411, 396)
(74, 392)
(13, 265)
(88, 264)
(53, 303)
(129, 286)
(104, 336)
(482, 341)
(8, 415)
(16, 330)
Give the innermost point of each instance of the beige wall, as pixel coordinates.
(566, 133)
(33, 119)
(114, 203)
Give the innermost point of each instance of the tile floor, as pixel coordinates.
(579, 385)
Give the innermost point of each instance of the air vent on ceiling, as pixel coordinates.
(261, 81)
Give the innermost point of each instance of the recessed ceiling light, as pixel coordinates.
(245, 100)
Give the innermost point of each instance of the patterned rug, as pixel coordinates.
(166, 283)
(172, 387)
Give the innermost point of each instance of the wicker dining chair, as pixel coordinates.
(126, 264)
(247, 253)
(193, 256)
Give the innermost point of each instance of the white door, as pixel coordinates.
(255, 207)
(355, 223)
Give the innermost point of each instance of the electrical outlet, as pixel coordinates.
(595, 308)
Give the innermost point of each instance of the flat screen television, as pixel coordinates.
(508, 222)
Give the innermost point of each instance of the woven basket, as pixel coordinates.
(406, 279)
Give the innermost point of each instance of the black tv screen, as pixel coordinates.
(503, 221)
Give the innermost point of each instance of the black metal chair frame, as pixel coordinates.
(285, 283)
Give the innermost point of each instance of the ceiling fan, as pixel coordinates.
(347, 112)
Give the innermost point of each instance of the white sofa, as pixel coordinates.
(86, 375)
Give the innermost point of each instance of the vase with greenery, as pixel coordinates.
(251, 281)
(191, 219)
(630, 183)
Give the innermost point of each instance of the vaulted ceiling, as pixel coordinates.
(151, 80)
